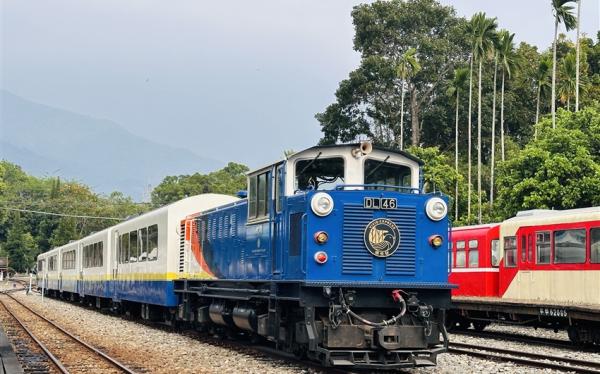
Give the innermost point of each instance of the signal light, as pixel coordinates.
(436, 241)
(321, 237)
(321, 257)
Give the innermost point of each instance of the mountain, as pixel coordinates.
(47, 141)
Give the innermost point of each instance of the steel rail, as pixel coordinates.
(108, 358)
(49, 354)
(526, 358)
(505, 336)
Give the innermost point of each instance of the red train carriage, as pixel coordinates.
(540, 268)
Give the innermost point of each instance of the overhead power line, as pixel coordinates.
(60, 214)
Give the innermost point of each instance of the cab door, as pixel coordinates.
(115, 263)
(278, 222)
(259, 226)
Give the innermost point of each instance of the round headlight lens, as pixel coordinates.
(321, 204)
(436, 208)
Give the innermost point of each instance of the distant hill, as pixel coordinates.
(50, 141)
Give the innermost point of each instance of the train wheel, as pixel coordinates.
(574, 335)
(480, 326)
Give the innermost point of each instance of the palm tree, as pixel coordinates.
(567, 86)
(458, 84)
(471, 27)
(492, 162)
(508, 61)
(407, 66)
(562, 14)
(541, 77)
(482, 43)
(577, 62)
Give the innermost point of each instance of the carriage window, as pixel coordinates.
(523, 248)
(143, 243)
(124, 249)
(40, 265)
(319, 174)
(258, 201)
(473, 254)
(133, 246)
(152, 242)
(542, 247)
(52, 263)
(461, 258)
(380, 172)
(569, 246)
(510, 251)
(68, 260)
(495, 251)
(595, 244)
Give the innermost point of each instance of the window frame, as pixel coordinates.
(474, 249)
(462, 249)
(259, 202)
(537, 247)
(294, 169)
(513, 249)
(401, 180)
(554, 249)
(594, 229)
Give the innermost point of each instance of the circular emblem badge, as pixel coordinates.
(382, 237)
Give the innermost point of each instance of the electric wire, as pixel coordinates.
(60, 214)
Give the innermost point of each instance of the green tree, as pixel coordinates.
(483, 32)
(228, 180)
(368, 103)
(407, 66)
(20, 245)
(541, 77)
(562, 14)
(568, 80)
(459, 83)
(559, 170)
(508, 62)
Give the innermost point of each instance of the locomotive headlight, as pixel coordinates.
(321, 204)
(436, 241)
(436, 209)
(321, 237)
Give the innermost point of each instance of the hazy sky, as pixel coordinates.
(235, 80)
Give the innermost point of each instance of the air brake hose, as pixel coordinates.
(397, 297)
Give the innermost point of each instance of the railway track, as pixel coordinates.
(520, 338)
(542, 361)
(63, 351)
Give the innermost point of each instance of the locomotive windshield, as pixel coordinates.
(385, 173)
(319, 173)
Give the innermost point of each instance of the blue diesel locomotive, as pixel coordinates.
(335, 254)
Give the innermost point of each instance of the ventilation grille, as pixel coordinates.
(182, 248)
(356, 259)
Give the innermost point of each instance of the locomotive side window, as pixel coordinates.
(569, 246)
(385, 173)
(510, 251)
(461, 255)
(595, 245)
(542, 247)
(319, 174)
(152, 242)
(495, 251)
(258, 196)
(473, 253)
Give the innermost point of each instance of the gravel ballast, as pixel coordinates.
(155, 350)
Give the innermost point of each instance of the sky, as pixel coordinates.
(232, 80)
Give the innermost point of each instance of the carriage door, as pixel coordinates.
(278, 223)
(115, 262)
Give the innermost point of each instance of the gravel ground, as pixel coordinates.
(156, 351)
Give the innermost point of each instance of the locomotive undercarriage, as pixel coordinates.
(336, 326)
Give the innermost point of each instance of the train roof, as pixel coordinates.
(538, 217)
(340, 146)
(476, 227)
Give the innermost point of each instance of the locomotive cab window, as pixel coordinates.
(258, 196)
(385, 173)
(495, 252)
(595, 245)
(319, 173)
(569, 246)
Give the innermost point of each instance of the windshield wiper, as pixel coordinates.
(310, 164)
(377, 167)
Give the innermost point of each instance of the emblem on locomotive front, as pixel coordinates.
(382, 237)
